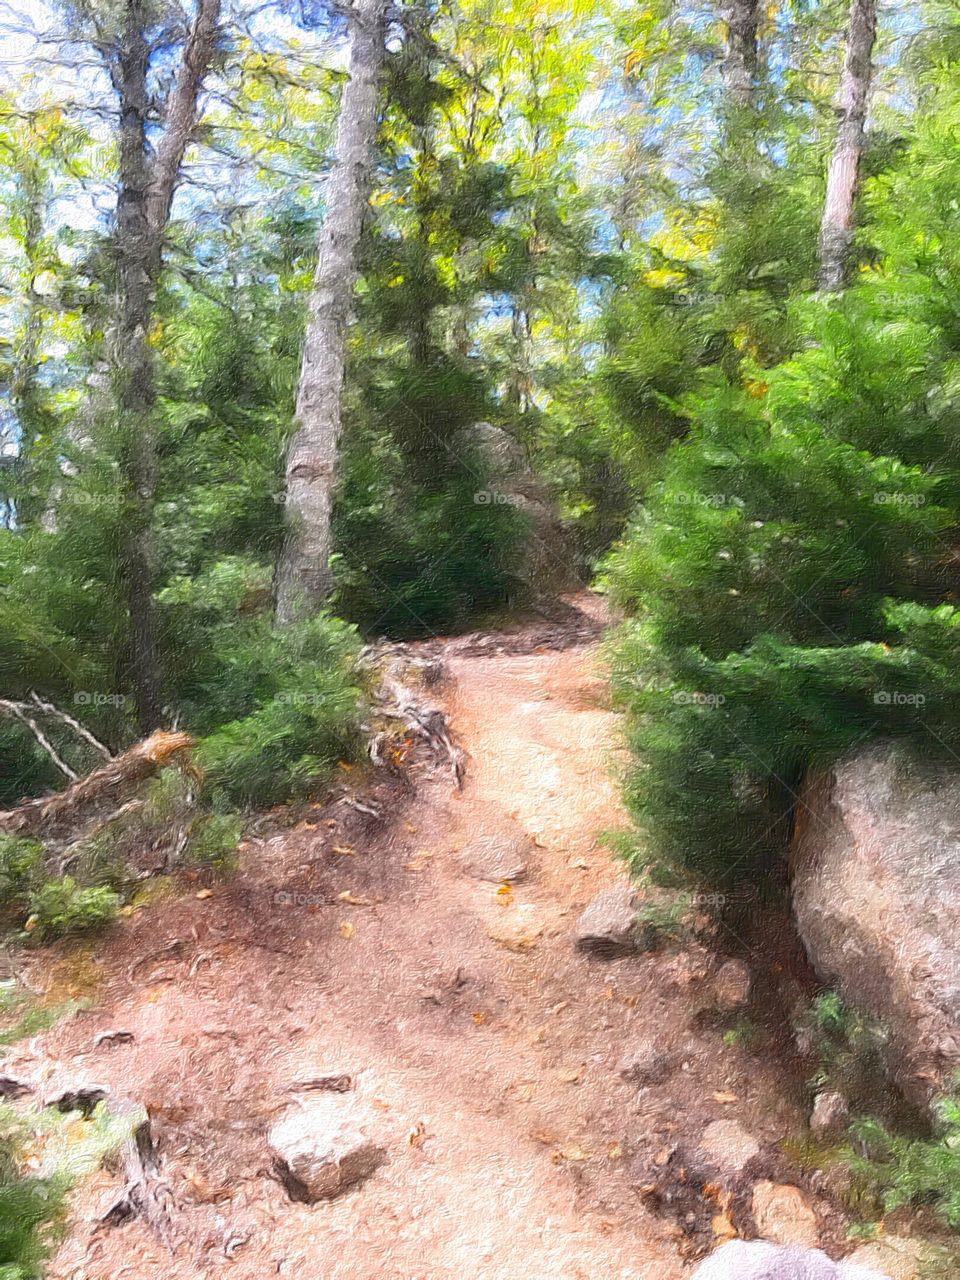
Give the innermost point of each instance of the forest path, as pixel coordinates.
(464, 1011)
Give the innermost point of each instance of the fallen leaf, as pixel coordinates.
(346, 929)
(663, 1155)
(347, 768)
(615, 1151)
(410, 827)
(343, 851)
(348, 897)
(572, 1075)
(205, 893)
(418, 861)
(725, 1097)
(417, 1135)
(544, 1136)
(479, 1017)
(559, 1008)
(572, 1153)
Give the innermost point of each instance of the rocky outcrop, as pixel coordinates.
(876, 893)
(757, 1260)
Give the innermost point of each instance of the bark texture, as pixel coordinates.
(303, 576)
(836, 227)
(741, 18)
(146, 187)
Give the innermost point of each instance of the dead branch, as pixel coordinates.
(140, 762)
(21, 711)
(79, 729)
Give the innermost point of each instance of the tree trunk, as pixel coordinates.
(836, 227)
(303, 575)
(741, 18)
(146, 188)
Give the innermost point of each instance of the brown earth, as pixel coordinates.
(489, 1044)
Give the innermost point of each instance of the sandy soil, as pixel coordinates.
(489, 1044)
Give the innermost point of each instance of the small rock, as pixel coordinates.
(645, 1064)
(12, 1087)
(898, 1257)
(783, 1215)
(731, 985)
(728, 1146)
(83, 1098)
(757, 1260)
(499, 860)
(608, 925)
(327, 1146)
(113, 1037)
(830, 1113)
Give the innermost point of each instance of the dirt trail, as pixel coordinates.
(487, 1041)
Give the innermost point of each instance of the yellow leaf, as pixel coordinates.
(348, 897)
(725, 1097)
(346, 929)
(205, 893)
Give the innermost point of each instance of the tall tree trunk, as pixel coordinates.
(146, 186)
(742, 19)
(836, 227)
(303, 575)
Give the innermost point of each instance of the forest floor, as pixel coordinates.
(489, 1044)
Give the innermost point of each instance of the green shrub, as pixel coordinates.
(214, 838)
(63, 907)
(31, 1211)
(904, 1170)
(787, 585)
(21, 869)
(301, 713)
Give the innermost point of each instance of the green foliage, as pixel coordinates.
(848, 1046)
(297, 702)
(905, 1170)
(62, 908)
(21, 868)
(31, 1212)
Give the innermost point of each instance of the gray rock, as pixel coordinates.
(645, 1064)
(728, 1146)
(757, 1260)
(876, 894)
(327, 1146)
(499, 859)
(608, 926)
(830, 1113)
(731, 985)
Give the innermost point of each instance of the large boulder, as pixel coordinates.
(757, 1260)
(876, 893)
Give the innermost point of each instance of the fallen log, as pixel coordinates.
(64, 807)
